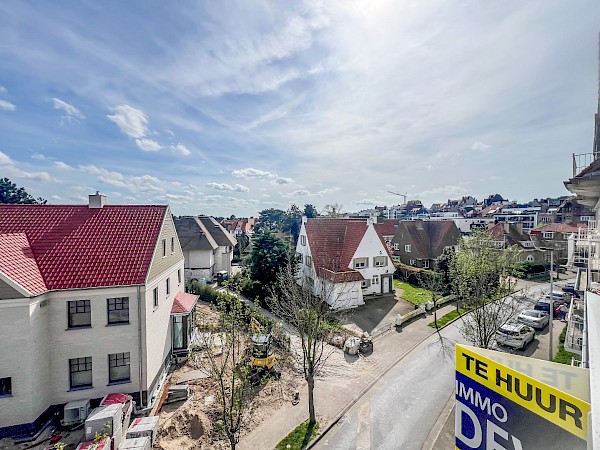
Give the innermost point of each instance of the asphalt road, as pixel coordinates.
(402, 408)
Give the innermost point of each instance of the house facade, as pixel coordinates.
(344, 260)
(207, 247)
(86, 298)
(419, 243)
(508, 234)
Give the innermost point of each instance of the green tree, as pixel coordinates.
(310, 211)
(10, 193)
(482, 274)
(271, 219)
(269, 254)
(292, 222)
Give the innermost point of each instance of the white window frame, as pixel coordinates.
(360, 263)
(375, 279)
(396, 246)
(382, 262)
(413, 262)
(308, 260)
(548, 235)
(407, 248)
(303, 240)
(425, 264)
(365, 284)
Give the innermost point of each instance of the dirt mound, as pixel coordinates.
(188, 428)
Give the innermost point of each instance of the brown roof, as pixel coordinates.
(430, 237)
(559, 228)
(513, 236)
(387, 228)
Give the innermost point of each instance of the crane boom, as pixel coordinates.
(401, 195)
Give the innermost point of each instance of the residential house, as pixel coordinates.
(556, 236)
(419, 243)
(240, 227)
(86, 305)
(508, 234)
(207, 247)
(344, 261)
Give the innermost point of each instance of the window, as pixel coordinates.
(412, 262)
(529, 258)
(548, 234)
(118, 310)
(308, 260)
(361, 263)
(172, 245)
(302, 240)
(168, 286)
(407, 248)
(164, 247)
(80, 372)
(155, 297)
(375, 279)
(5, 387)
(426, 264)
(80, 313)
(118, 367)
(380, 261)
(365, 284)
(396, 246)
(178, 276)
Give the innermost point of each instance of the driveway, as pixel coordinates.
(376, 313)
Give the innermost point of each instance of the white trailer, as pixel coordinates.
(141, 443)
(144, 426)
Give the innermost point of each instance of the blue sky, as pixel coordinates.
(233, 107)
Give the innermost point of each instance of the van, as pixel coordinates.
(516, 335)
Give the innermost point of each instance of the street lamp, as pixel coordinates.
(551, 323)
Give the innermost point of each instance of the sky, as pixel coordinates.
(221, 108)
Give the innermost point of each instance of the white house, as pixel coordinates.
(86, 305)
(207, 246)
(344, 260)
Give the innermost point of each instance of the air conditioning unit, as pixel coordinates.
(76, 412)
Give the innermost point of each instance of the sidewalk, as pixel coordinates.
(347, 378)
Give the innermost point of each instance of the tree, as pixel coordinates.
(482, 274)
(10, 193)
(444, 262)
(310, 211)
(296, 303)
(271, 218)
(228, 369)
(333, 210)
(292, 222)
(433, 281)
(269, 254)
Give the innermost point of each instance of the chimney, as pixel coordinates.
(304, 219)
(97, 200)
(506, 227)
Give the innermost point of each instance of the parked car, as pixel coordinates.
(571, 290)
(544, 305)
(534, 318)
(560, 296)
(516, 335)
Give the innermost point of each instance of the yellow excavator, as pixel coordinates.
(261, 355)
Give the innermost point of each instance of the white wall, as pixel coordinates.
(369, 247)
(201, 259)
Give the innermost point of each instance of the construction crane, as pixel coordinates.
(401, 195)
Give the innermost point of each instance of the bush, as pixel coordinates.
(563, 356)
(204, 292)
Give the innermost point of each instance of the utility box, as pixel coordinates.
(104, 444)
(123, 399)
(141, 443)
(144, 426)
(75, 412)
(106, 419)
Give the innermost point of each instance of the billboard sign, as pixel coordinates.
(499, 407)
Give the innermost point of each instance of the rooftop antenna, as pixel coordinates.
(401, 195)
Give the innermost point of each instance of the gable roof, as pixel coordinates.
(18, 263)
(221, 236)
(183, 303)
(387, 228)
(559, 228)
(511, 237)
(78, 247)
(430, 237)
(333, 243)
(193, 235)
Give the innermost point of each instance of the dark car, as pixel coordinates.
(544, 305)
(571, 290)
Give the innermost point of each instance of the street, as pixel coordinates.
(403, 407)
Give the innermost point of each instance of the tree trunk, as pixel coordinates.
(437, 328)
(311, 401)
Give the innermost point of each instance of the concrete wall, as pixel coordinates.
(370, 247)
(200, 259)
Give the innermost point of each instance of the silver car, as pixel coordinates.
(515, 335)
(534, 318)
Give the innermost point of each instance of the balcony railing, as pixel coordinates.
(574, 335)
(581, 161)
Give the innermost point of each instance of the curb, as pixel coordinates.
(370, 385)
(434, 434)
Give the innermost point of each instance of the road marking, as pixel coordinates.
(363, 427)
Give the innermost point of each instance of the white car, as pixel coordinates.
(515, 335)
(534, 318)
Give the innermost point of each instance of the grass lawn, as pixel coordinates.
(448, 317)
(299, 438)
(563, 356)
(413, 294)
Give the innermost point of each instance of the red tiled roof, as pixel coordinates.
(559, 228)
(333, 243)
(183, 303)
(78, 247)
(387, 228)
(18, 263)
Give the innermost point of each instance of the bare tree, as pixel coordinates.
(482, 273)
(433, 281)
(296, 303)
(333, 210)
(223, 356)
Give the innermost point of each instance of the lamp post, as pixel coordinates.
(551, 324)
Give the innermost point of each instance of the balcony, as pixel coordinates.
(581, 161)
(575, 327)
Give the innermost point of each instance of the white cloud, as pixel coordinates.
(227, 187)
(72, 114)
(141, 185)
(282, 180)
(2, 89)
(480, 146)
(5, 159)
(181, 149)
(250, 172)
(130, 121)
(61, 165)
(148, 145)
(366, 202)
(299, 193)
(40, 157)
(6, 105)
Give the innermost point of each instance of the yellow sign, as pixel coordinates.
(498, 407)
